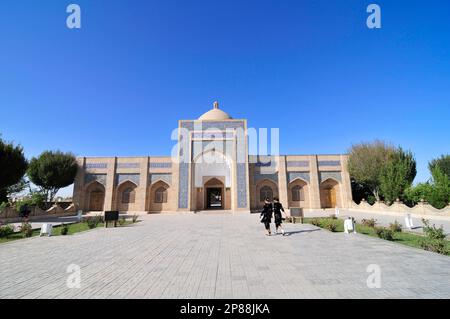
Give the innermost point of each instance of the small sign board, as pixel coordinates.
(111, 216)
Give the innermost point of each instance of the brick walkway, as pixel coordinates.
(217, 256)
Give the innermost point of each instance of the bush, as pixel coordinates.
(93, 222)
(122, 221)
(384, 233)
(432, 232)
(437, 246)
(315, 222)
(64, 229)
(6, 231)
(396, 227)
(331, 227)
(369, 222)
(333, 216)
(135, 218)
(26, 229)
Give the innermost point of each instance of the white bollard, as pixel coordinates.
(337, 212)
(349, 225)
(46, 229)
(409, 221)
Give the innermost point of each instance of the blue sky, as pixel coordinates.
(311, 68)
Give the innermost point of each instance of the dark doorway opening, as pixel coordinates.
(214, 198)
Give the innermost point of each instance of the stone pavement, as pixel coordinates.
(217, 256)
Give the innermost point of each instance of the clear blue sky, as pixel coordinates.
(311, 68)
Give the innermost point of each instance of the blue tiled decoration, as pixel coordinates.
(241, 185)
(163, 177)
(160, 165)
(183, 185)
(329, 163)
(128, 165)
(259, 176)
(297, 163)
(323, 176)
(120, 178)
(101, 178)
(302, 175)
(96, 165)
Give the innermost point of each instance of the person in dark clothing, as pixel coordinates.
(266, 215)
(277, 209)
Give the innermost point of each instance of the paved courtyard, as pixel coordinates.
(217, 256)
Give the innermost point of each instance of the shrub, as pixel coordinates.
(315, 222)
(331, 227)
(93, 222)
(122, 221)
(432, 232)
(369, 222)
(396, 227)
(64, 229)
(135, 218)
(6, 231)
(384, 233)
(434, 245)
(26, 229)
(333, 216)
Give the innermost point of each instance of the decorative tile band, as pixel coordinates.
(183, 184)
(258, 176)
(329, 163)
(241, 185)
(323, 176)
(160, 165)
(161, 177)
(120, 178)
(297, 164)
(302, 175)
(101, 178)
(128, 165)
(96, 165)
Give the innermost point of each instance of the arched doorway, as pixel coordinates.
(298, 193)
(265, 189)
(126, 196)
(95, 197)
(159, 197)
(214, 192)
(329, 194)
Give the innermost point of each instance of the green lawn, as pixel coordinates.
(73, 229)
(404, 238)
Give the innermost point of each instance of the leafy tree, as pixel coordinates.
(13, 166)
(440, 195)
(366, 163)
(415, 194)
(443, 163)
(52, 171)
(436, 192)
(397, 175)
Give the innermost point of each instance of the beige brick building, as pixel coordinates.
(210, 169)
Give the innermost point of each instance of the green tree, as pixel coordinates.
(442, 162)
(397, 175)
(13, 166)
(52, 171)
(440, 195)
(415, 194)
(366, 163)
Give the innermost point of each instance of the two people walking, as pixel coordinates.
(274, 208)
